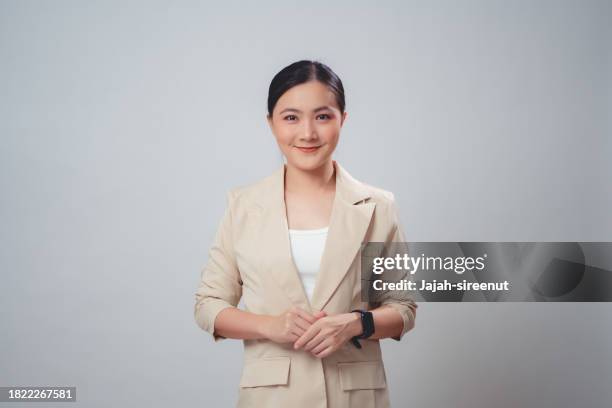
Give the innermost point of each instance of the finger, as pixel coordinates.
(307, 336)
(325, 352)
(293, 337)
(297, 331)
(314, 342)
(305, 315)
(305, 324)
(301, 323)
(304, 338)
(321, 346)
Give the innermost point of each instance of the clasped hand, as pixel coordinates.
(320, 334)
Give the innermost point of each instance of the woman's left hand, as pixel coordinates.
(329, 333)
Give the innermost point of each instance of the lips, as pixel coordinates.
(308, 149)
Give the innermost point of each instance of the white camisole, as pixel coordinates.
(307, 249)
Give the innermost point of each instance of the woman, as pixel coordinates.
(289, 246)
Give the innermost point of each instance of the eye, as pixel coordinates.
(325, 114)
(290, 116)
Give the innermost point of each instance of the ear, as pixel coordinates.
(344, 115)
(269, 119)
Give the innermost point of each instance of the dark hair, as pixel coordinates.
(300, 72)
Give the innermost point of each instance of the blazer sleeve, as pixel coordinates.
(220, 282)
(399, 299)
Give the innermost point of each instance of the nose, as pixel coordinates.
(309, 133)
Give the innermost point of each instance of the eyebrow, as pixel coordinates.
(320, 108)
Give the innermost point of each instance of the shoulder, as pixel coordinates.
(385, 212)
(386, 206)
(380, 195)
(386, 221)
(248, 195)
(384, 199)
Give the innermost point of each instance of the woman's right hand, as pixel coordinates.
(290, 325)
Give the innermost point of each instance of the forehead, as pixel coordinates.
(307, 96)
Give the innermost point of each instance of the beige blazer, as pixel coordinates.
(251, 259)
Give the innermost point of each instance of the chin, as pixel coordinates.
(307, 164)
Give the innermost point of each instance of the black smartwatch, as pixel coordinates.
(367, 323)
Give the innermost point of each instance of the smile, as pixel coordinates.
(308, 149)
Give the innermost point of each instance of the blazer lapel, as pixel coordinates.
(350, 219)
(283, 269)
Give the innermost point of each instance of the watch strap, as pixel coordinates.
(367, 324)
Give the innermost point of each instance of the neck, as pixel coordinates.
(310, 181)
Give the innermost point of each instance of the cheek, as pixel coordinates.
(284, 135)
(329, 134)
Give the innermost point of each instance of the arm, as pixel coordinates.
(388, 322)
(220, 291)
(239, 324)
(283, 328)
(332, 332)
(395, 309)
(220, 284)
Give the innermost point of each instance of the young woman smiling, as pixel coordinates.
(289, 246)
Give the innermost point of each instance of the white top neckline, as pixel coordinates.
(309, 231)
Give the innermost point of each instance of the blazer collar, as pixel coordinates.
(349, 223)
(347, 188)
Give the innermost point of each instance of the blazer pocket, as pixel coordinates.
(264, 371)
(362, 375)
